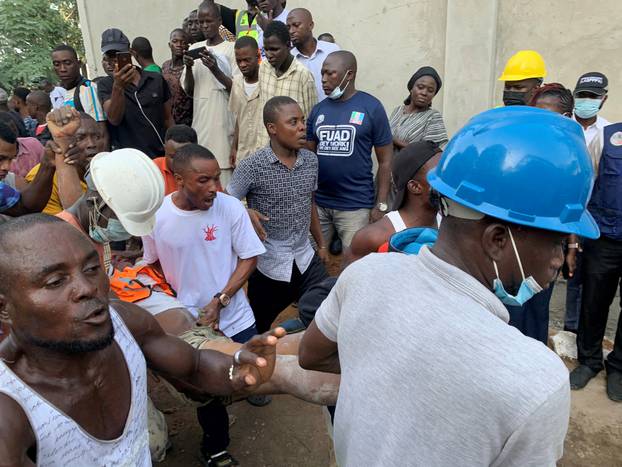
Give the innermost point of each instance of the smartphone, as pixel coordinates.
(123, 58)
(196, 53)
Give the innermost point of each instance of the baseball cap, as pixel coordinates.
(593, 82)
(407, 163)
(114, 39)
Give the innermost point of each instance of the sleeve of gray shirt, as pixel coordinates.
(328, 314)
(539, 441)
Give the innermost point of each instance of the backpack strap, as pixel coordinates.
(77, 103)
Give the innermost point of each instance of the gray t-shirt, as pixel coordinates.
(432, 374)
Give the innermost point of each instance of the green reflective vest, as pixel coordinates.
(242, 26)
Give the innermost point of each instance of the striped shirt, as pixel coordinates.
(89, 100)
(418, 126)
(297, 82)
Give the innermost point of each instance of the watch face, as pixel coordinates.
(383, 207)
(225, 299)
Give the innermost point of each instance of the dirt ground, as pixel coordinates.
(289, 432)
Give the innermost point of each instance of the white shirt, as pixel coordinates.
(594, 129)
(282, 18)
(249, 88)
(457, 385)
(315, 61)
(62, 441)
(57, 97)
(198, 252)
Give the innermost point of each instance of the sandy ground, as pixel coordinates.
(289, 432)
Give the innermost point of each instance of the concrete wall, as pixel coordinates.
(467, 41)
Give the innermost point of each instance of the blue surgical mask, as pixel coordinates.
(339, 91)
(528, 288)
(113, 232)
(587, 107)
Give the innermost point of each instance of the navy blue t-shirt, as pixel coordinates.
(345, 133)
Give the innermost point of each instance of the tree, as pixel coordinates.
(29, 30)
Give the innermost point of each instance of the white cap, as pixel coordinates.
(131, 185)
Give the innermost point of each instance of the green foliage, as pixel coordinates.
(29, 30)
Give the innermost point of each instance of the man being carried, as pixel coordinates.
(496, 246)
(278, 183)
(343, 130)
(244, 100)
(412, 205)
(208, 80)
(308, 50)
(282, 75)
(68, 337)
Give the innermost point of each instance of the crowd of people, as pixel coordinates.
(161, 217)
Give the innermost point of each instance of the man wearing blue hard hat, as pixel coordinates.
(514, 182)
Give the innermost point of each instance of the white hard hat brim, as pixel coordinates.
(138, 229)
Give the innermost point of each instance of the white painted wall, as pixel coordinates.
(467, 41)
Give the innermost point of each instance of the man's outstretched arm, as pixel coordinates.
(207, 371)
(317, 352)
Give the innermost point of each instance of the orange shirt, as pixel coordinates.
(170, 185)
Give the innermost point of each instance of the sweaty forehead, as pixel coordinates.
(27, 253)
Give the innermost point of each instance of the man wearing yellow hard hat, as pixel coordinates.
(523, 74)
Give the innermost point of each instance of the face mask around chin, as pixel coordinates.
(514, 98)
(115, 232)
(528, 288)
(587, 107)
(339, 91)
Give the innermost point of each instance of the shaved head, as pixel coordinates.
(345, 58)
(302, 14)
(207, 7)
(41, 99)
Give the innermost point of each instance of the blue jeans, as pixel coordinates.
(532, 319)
(246, 335)
(573, 297)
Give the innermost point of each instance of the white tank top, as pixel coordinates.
(396, 220)
(61, 442)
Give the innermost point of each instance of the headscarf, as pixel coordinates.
(423, 71)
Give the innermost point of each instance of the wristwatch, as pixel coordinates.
(223, 298)
(382, 207)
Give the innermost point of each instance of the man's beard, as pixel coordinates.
(77, 346)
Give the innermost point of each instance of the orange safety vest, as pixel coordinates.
(126, 285)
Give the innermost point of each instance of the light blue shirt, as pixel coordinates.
(315, 61)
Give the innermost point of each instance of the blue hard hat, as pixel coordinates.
(523, 165)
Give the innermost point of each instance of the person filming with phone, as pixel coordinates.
(210, 68)
(137, 102)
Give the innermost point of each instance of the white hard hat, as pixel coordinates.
(131, 185)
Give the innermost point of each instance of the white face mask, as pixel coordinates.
(528, 288)
(338, 91)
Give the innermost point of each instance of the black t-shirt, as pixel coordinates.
(144, 107)
(228, 18)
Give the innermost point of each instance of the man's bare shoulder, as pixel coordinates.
(16, 434)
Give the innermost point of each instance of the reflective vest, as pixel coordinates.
(606, 202)
(242, 26)
(126, 285)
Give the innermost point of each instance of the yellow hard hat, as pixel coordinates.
(524, 64)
